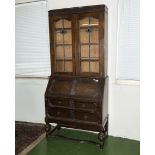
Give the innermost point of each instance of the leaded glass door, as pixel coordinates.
(89, 44)
(77, 44)
(63, 45)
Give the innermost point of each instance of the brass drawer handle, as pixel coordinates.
(58, 112)
(83, 105)
(85, 117)
(71, 102)
(59, 102)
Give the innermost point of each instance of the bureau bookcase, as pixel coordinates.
(75, 91)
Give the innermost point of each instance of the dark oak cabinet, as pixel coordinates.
(75, 93)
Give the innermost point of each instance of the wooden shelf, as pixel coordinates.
(63, 44)
(86, 27)
(57, 29)
(89, 59)
(65, 59)
(89, 44)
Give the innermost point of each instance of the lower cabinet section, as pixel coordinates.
(79, 108)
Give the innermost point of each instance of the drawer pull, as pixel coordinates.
(59, 102)
(58, 113)
(83, 105)
(95, 104)
(85, 117)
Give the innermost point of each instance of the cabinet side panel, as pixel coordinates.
(105, 102)
(106, 42)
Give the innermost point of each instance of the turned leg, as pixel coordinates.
(47, 129)
(106, 129)
(101, 136)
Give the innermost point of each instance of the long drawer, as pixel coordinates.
(72, 104)
(73, 109)
(73, 114)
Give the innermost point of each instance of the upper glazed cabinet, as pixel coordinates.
(77, 41)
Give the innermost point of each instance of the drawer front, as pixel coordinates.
(58, 102)
(54, 112)
(86, 105)
(86, 116)
(73, 104)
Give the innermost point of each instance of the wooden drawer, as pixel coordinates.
(58, 102)
(58, 112)
(90, 117)
(72, 104)
(85, 105)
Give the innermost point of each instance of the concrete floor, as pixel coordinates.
(61, 146)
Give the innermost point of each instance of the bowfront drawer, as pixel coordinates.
(86, 105)
(58, 102)
(59, 113)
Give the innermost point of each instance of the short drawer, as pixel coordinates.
(54, 112)
(58, 102)
(86, 105)
(86, 116)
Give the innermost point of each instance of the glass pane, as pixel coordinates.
(59, 66)
(63, 23)
(68, 37)
(84, 66)
(67, 24)
(94, 21)
(63, 37)
(68, 52)
(59, 24)
(85, 51)
(94, 51)
(94, 66)
(89, 39)
(59, 52)
(84, 36)
(68, 66)
(94, 37)
(84, 22)
(89, 21)
(59, 37)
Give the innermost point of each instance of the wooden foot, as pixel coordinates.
(47, 129)
(101, 136)
(106, 129)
